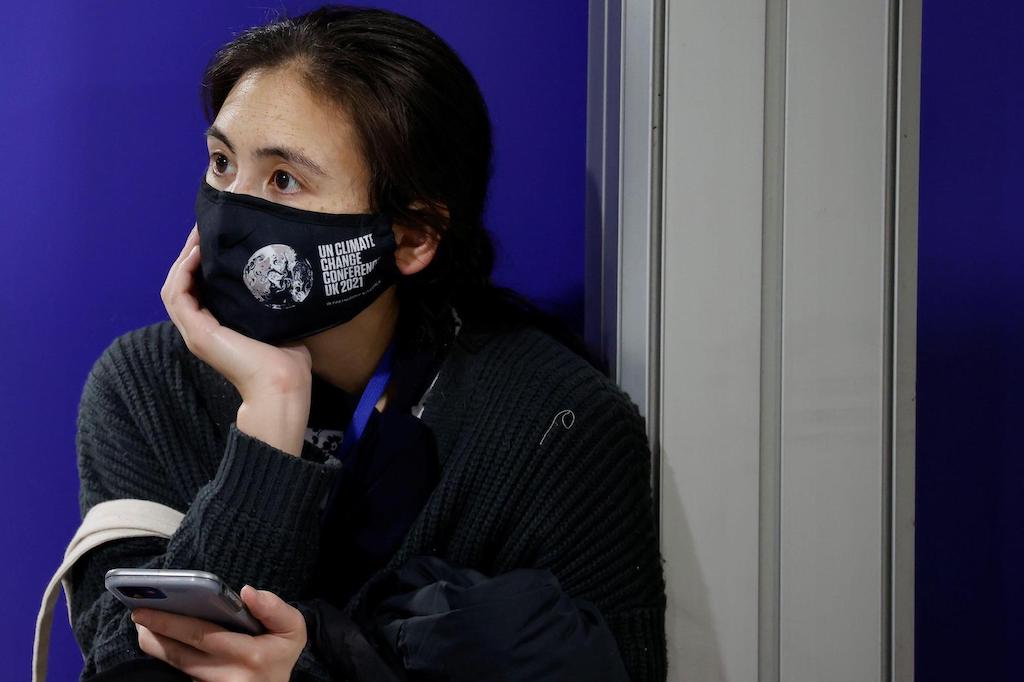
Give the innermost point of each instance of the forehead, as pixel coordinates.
(275, 107)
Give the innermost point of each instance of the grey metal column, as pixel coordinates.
(601, 259)
(906, 148)
(624, 198)
(624, 157)
(751, 277)
(714, 136)
(833, 582)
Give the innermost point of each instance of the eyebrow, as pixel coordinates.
(290, 155)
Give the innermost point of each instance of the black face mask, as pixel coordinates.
(277, 273)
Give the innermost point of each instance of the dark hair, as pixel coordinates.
(426, 137)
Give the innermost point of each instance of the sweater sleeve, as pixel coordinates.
(255, 521)
(599, 535)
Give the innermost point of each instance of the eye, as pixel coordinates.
(286, 182)
(220, 163)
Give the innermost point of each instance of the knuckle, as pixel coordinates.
(256, 659)
(281, 379)
(195, 636)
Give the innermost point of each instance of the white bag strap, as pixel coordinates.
(106, 521)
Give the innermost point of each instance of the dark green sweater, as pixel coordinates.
(157, 423)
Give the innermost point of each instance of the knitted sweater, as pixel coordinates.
(545, 464)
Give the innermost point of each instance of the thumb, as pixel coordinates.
(278, 616)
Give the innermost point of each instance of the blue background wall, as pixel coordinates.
(102, 142)
(970, 419)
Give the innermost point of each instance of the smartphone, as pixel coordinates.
(189, 593)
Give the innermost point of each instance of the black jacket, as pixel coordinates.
(544, 466)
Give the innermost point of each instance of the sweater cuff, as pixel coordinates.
(271, 484)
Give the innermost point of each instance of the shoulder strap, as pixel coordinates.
(106, 521)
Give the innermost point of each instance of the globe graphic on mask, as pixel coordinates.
(278, 277)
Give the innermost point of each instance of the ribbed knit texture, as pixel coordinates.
(157, 423)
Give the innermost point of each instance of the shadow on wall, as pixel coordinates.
(696, 656)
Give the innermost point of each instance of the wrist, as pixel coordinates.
(279, 383)
(279, 421)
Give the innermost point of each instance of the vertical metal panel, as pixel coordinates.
(834, 349)
(624, 200)
(623, 209)
(786, 252)
(905, 339)
(637, 213)
(713, 137)
(602, 194)
(772, 239)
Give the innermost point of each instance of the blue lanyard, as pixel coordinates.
(367, 401)
(360, 418)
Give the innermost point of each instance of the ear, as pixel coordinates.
(416, 245)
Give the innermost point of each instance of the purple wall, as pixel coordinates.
(970, 418)
(102, 142)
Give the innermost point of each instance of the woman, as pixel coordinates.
(422, 475)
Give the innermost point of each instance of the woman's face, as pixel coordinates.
(272, 139)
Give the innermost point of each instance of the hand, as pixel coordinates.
(274, 381)
(209, 653)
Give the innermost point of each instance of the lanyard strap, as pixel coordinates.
(367, 401)
(360, 418)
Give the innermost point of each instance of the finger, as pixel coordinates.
(204, 335)
(166, 290)
(219, 346)
(196, 633)
(277, 615)
(181, 280)
(195, 322)
(191, 661)
(190, 241)
(179, 286)
(179, 299)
